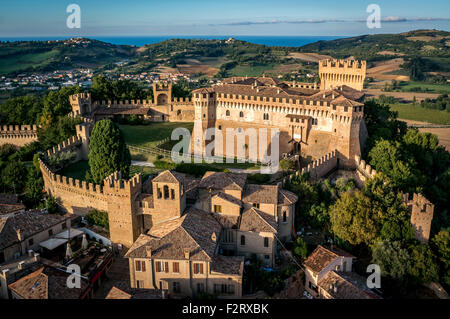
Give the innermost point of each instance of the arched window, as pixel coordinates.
(242, 240)
(241, 114)
(266, 116)
(228, 113)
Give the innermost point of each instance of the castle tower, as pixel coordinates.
(124, 224)
(334, 73)
(422, 212)
(205, 118)
(162, 93)
(168, 195)
(81, 104)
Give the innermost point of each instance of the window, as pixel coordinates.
(217, 208)
(31, 242)
(176, 267)
(223, 289)
(139, 284)
(256, 205)
(140, 265)
(50, 232)
(266, 256)
(166, 191)
(241, 114)
(220, 127)
(200, 288)
(227, 113)
(162, 266)
(176, 287)
(284, 217)
(344, 267)
(198, 269)
(63, 226)
(242, 240)
(266, 241)
(266, 116)
(172, 193)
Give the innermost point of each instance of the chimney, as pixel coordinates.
(20, 265)
(148, 251)
(30, 253)
(214, 237)
(36, 257)
(187, 254)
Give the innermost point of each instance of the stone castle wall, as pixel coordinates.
(422, 211)
(319, 168)
(363, 171)
(18, 135)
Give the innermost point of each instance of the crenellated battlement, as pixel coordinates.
(334, 73)
(343, 63)
(114, 184)
(69, 144)
(364, 168)
(18, 135)
(319, 168)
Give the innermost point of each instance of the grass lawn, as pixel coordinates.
(418, 113)
(76, 170)
(150, 135)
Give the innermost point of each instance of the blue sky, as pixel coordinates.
(211, 17)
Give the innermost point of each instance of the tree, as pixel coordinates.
(353, 219)
(33, 187)
(108, 152)
(287, 165)
(21, 110)
(441, 246)
(57, 104)
(13, 176)
(300, 248)
(393, 259)
(423, 267)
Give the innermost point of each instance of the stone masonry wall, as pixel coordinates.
(18, 135)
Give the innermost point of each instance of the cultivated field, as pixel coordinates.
(381, 69)
(418, 113)
(443, 133)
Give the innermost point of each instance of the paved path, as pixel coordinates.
(145, 164)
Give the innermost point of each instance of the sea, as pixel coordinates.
(282, 41)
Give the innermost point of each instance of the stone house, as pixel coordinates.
(329, 275)
(24, 231)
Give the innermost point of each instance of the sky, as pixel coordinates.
(24, 18)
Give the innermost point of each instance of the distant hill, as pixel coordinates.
(424, 43)
(44, 56)
(220, 57)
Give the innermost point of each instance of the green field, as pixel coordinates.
(258, 70)
(418, 113)
(152, 134)
(23, 61)
(425, 87)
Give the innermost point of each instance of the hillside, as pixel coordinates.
(432, 45)
(44, 56)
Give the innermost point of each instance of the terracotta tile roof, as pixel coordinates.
(116, 293)
(286, 197)
(322, 256)
(29, 223)
(227, 221)
(257, 221)
(10, 204)
(265, 194)
(130, 293)
(47, 283)
(227, 197)
(193, 231)
(223, 181)
(346, 285)
(169, 177)
(228, 265)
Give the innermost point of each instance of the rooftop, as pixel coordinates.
(322, 256)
